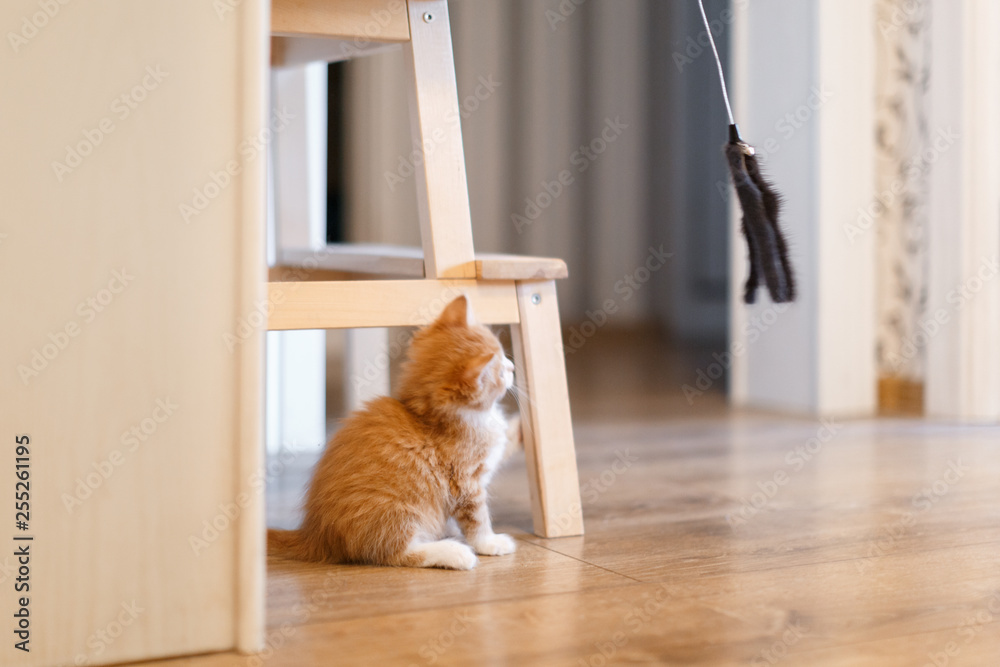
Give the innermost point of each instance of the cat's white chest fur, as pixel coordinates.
(490, 429)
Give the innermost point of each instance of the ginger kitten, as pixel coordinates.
(398, 471)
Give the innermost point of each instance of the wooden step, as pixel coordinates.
(361, 21)
(306, 31)
(406, 262)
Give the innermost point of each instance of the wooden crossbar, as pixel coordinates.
(357, 304)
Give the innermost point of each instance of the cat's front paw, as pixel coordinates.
(448, 554)
(495, 545)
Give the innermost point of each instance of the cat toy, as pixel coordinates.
(760, 203)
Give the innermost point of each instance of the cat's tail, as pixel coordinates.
(286, 544)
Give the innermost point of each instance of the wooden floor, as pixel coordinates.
(713, 538)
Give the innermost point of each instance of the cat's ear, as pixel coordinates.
(475, 366)
(457, 313)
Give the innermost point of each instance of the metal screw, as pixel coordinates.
(428, 17)
(536, 298)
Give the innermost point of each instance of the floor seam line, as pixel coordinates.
(580, 560)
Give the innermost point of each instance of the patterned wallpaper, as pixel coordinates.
(899, 212)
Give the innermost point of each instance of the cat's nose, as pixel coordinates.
(508, 365)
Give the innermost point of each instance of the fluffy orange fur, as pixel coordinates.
(398, 471)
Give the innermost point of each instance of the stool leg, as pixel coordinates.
(435, 121)
(545, 415)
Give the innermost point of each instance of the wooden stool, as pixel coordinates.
(358, 286)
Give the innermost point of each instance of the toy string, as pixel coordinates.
(718, 62)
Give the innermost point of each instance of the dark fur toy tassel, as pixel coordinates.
(761, 204)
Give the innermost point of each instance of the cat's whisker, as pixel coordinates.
(521, 391)
(517, 399)
(518, 392)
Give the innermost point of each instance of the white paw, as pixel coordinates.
(495, 545)
(449, 554)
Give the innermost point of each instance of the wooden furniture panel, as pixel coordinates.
(125, 274)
